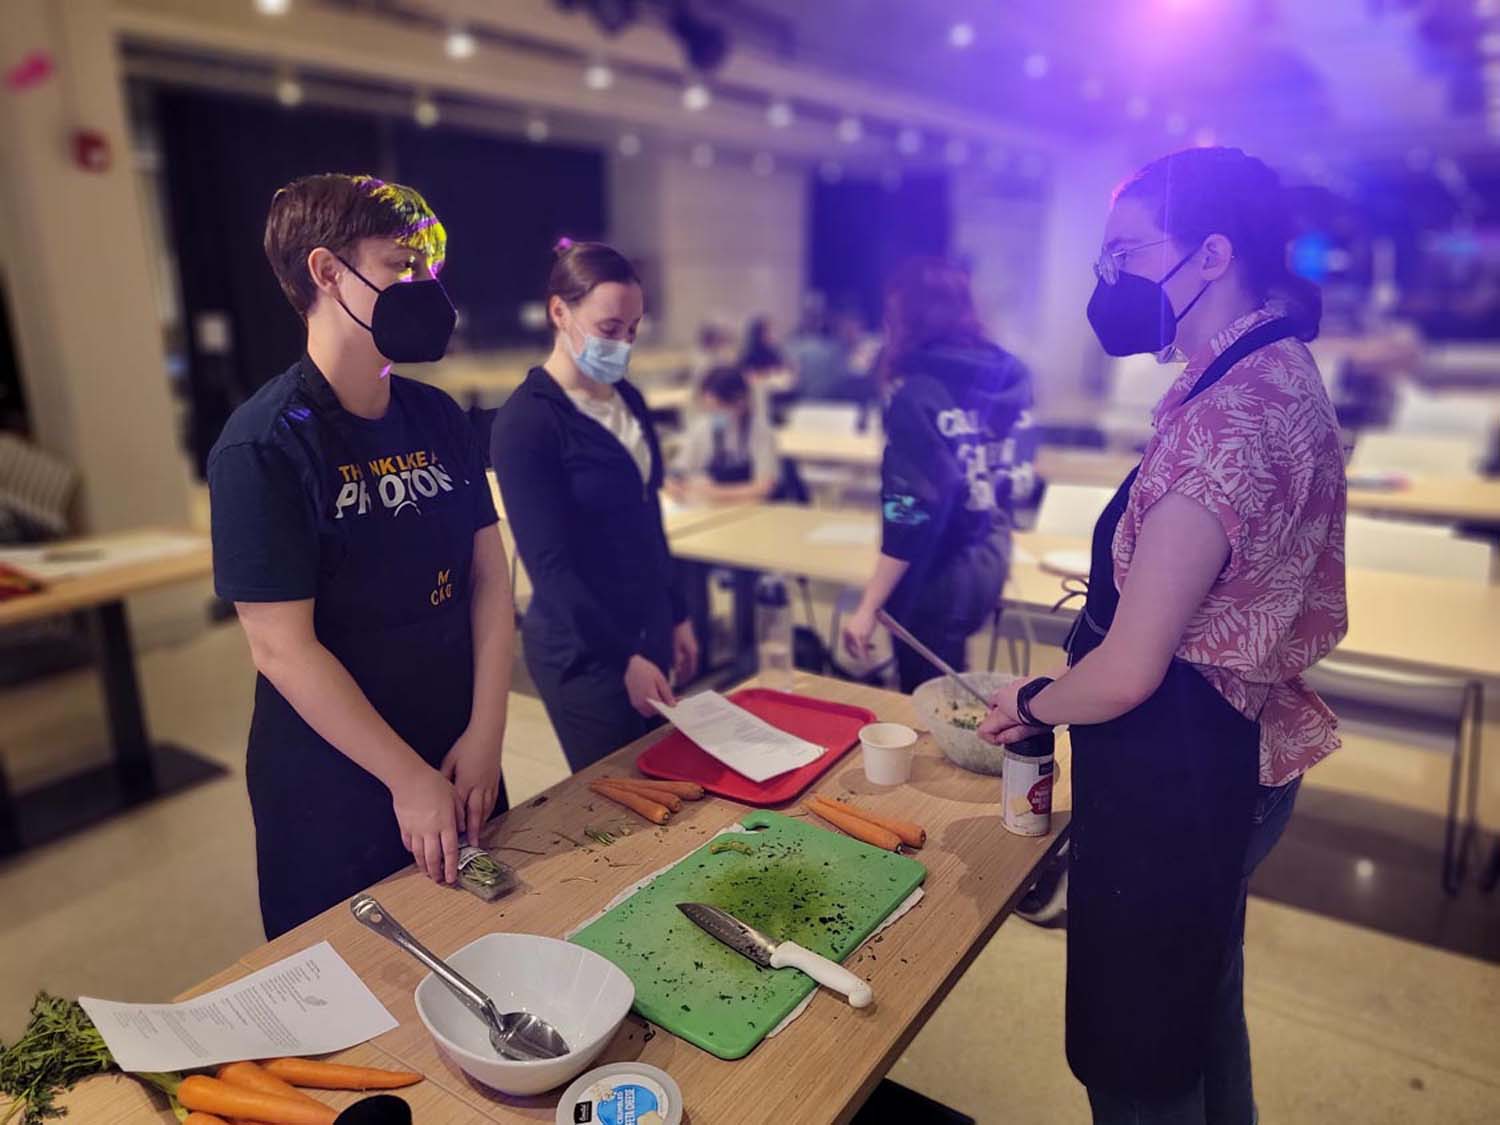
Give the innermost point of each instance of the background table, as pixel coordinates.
(1399, 621)
(1468, 500)
(820, 1069)
(139, 770)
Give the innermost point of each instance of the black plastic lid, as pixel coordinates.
(1037, 746)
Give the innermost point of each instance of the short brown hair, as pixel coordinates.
(336, 211)
(581, 267)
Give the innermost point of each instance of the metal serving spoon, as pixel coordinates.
(518, 1036)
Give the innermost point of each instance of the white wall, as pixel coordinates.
(1065, 354)
(997, 229)
(717, 242)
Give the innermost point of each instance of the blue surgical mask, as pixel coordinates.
(604, 361)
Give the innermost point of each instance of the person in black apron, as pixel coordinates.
(957, 451)
(353, 529)
(1169, 817)
(729, 452)
(580, 471)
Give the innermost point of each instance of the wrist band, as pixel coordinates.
(1028, 692)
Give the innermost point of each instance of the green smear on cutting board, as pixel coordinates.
(801, 883)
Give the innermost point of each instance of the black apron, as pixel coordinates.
(393, 606)
(1163, 798)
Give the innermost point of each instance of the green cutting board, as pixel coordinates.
(800, 883)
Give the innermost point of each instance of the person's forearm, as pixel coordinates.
(887, 576)
(1098, 688)
(493, 612)
(322, 691)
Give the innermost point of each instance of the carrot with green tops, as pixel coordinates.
(338, 1076)
(851, 825)
(660, 796)
(687, 790)
(651, 809)
(204, 1119)
(912, 835)
(200, 1092)
(253, 1076)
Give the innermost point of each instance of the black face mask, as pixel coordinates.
(412, 320)
(1135, 315)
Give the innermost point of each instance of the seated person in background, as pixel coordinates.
(761, 355)
(715, 348)
(819, 360)
(729, 451)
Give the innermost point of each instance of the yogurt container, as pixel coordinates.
(622, 1094)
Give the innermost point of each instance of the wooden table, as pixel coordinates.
(821, 1069)
(667, 398)
(1398, 621)
(1468, 500)
(138, 771)
(858, 450)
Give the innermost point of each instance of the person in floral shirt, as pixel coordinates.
(1217, 580)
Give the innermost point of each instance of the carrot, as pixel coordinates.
(852, 825)
(687, 790)
(337, 1076)
(203, 1119)
(912, 835)
(652, 810)
(198, 1091)
(253, 1076)
(660, 796)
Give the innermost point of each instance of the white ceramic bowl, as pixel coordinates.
(580, 993)
(935, 705)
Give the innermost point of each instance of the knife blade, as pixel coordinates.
(769, 953)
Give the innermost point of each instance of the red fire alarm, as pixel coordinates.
(91, 150)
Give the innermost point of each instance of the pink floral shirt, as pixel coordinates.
(1260, 450)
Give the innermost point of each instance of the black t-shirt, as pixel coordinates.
(375, 520)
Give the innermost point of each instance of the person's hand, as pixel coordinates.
(684, 653)
(676, 489)
(473, 766)
(858, 630)
(644, 682)
(426, 812)
(1003, 723)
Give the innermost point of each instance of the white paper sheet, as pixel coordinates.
(845, 534)
(307, 1004)
(744, 742)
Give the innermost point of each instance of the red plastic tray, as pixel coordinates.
(828, 724)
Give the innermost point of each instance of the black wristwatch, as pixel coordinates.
(1028, 692)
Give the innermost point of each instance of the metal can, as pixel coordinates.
(1026, 786)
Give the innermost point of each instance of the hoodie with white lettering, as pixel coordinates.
(959, 446)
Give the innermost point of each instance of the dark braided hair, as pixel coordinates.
(1198, 192)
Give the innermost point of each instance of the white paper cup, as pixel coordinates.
(888, 751)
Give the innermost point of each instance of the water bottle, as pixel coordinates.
(773, 632)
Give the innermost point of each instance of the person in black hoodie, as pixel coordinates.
(580, 472)
(958, 452)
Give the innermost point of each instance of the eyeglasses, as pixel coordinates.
(1111, 263)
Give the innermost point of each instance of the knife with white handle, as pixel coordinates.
(771, 954)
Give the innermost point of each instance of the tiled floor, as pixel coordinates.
(1349, 1024)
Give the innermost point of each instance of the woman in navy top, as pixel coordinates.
(580, 470)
